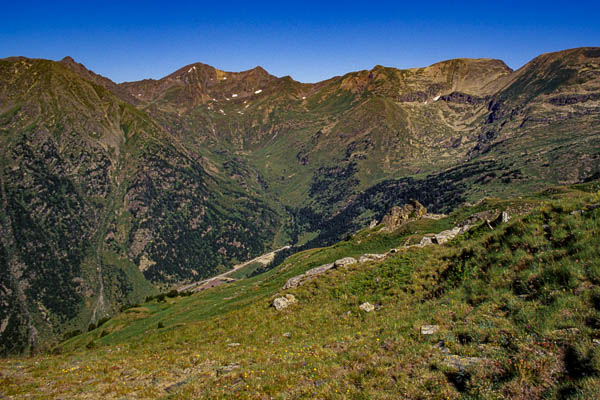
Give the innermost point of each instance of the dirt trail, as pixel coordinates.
(263, 259)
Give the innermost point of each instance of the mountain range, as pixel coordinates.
(113, 192)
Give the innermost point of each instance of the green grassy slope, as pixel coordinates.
(517, 310)
(109, 190)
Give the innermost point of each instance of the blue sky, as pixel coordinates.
(310, 41)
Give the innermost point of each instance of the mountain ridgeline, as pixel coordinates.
(111, 192)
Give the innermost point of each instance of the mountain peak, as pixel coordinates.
(67, 59)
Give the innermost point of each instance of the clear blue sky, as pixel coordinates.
(308, 40)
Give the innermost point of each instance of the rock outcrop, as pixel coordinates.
(398, 216)
(342, 262)
(300, 279)
(283, 302)
(370, 257)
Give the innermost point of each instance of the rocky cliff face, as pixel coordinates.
(109, 189)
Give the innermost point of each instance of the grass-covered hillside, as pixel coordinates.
(512, 308)
(110, 192)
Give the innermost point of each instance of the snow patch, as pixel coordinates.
(258, 91)
(224, 78)
(303, 97)
(436, 98)
(234, 95)
(221, 111)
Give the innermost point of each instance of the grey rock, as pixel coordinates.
(293, 282)
(429, 329)
(370, 257)
(283, 302)
(367, 307)
(426, 241)
(342, 262)
(445, 236)
(319, 270)
(299, 279)
(287, 335)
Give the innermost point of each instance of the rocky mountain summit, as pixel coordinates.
(111, 192)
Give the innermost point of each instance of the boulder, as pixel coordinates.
(367, 307)
(283, 302)
(502, 218)
(426, 241)
(429, 329)
(373, 224)
(342, 262)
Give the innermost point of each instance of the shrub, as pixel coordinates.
(594, 296)
(160, 325)
(71, 334)
(91, 327)
(582, 359)
(173, 293)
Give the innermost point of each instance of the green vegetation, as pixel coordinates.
(115, 192)
(517, 308)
